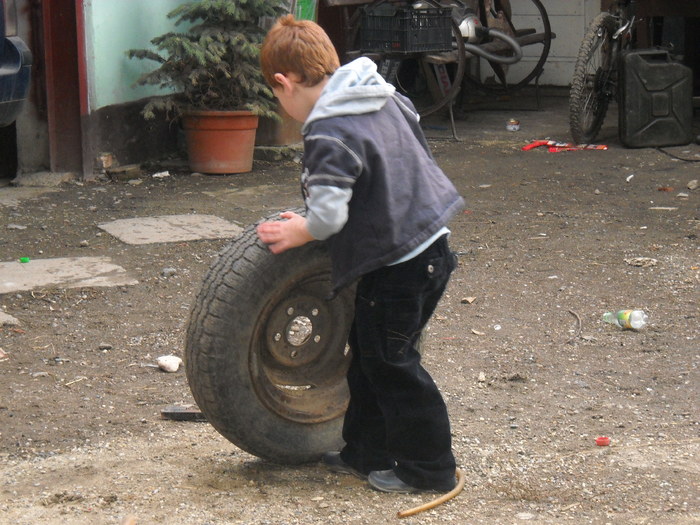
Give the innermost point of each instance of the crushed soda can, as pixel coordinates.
(513, 125)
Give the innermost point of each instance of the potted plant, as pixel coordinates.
(214, 72)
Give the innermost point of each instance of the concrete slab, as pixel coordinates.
(64, 272)
(44, 179)
(7, 320)
(170, 228)
(13, 196)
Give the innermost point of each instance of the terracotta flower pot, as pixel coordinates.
(220, 141)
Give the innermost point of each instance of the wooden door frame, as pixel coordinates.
(66, 82)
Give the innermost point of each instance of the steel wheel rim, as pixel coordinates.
(298, 356)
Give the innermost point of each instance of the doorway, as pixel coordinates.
(8, 151)
(62, 56)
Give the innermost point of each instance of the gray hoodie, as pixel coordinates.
(354, 89)
(371, 185)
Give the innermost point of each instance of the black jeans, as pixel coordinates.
(397, 417)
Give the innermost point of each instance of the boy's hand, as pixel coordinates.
(283, 235)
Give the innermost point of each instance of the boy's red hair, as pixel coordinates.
(298, 46)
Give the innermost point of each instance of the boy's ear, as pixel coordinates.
(283, 80)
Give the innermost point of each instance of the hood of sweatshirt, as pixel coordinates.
(354, 89)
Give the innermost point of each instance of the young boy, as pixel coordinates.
(374, 192)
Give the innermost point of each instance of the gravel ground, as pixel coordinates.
(530, 373)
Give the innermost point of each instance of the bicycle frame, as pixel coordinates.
(595, 80)
(624, 12)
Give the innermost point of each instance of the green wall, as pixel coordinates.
(111, 28)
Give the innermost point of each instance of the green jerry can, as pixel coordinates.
(656, 100)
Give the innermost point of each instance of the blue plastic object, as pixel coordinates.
(15, 72)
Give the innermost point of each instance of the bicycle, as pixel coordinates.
(596, 73)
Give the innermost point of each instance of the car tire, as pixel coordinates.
(266, 353)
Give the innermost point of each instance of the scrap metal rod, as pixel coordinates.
(442, 499)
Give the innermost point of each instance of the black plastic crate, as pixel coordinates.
(390, 29)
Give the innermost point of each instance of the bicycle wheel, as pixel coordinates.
(592, 85)
(528, 23)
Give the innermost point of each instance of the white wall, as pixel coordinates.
(111, 29)
(568, 19)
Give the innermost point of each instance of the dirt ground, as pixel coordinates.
(547, 243)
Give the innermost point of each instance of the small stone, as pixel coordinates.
(8, 320)
(693, 185)
(84, 244)
(105, 346)
(642, 262)
(168, 272)
(169, 363)
(125, 173)
(106, 160)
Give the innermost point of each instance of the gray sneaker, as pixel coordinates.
(335, 463)
(388, 481)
